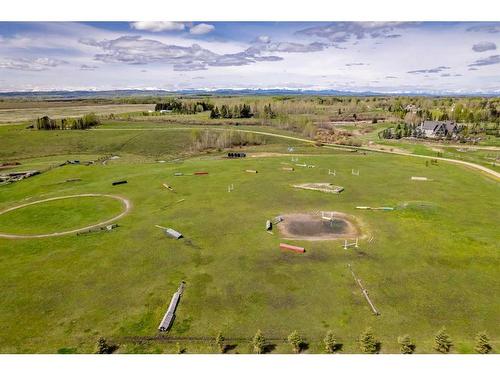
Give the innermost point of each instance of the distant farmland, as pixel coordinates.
(18, 111)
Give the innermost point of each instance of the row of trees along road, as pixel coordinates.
(367, 342)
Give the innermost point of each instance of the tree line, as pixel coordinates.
(183, 107)
(85, 122)
(367, 342)
(237, 111)
(205, 140)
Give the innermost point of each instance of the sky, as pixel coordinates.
(392, 57)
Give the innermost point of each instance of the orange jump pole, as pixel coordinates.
(297, 249)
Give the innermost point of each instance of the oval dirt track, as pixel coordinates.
(126, 203)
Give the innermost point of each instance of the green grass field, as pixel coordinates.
(433, 262)
(59, 215)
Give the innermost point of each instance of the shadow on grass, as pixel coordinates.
(303, 346)
(268, 348)
(337, 347)
(229, 347)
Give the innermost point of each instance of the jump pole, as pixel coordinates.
(364, 291)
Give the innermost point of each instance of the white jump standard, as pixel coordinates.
(347, 245)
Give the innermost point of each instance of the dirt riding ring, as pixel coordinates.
(319, 226)
(45, 213)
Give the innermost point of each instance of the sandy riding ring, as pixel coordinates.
(319, 226)
(126, 206)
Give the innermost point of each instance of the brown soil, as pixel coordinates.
(311, 227)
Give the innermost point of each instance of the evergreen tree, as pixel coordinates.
(219, 341)
(330, 342)
(368, 343)
(104, 348)
(483, 345)
(224, 111)
(259, 342)
(406, 345)
(442, 341)
(296, 341)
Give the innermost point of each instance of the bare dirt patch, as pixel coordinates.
(312, 227)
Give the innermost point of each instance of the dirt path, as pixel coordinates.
(126, 204)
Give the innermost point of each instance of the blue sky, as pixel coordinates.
(452, 57)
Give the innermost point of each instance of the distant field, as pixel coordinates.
(35, 110)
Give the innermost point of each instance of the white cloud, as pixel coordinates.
(484, 46)
(157, 26)
(88, 67)
(341, 32)
(263, 39)
(201, 28)
(31, 64)
(490, 60)
(137, 50)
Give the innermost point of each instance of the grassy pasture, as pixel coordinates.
(433, 262)
(17, 112)
(59, 215)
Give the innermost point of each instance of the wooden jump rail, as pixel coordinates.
(364, 291)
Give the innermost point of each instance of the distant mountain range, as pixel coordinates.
(90, 94)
